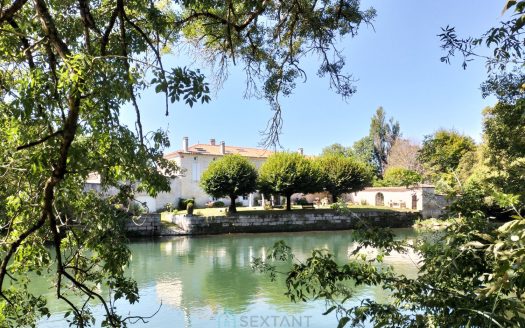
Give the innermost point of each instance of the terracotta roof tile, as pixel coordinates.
(215, 150)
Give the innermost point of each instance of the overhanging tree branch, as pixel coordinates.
(11, 11)
(38, 142)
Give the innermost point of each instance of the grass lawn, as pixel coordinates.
(259, 210)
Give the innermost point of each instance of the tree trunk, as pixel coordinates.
(288, 202)
(232, 208)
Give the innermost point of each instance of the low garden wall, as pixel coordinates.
(284, 222)
(144, 226)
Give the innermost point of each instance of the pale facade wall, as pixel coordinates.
(428, 202)
(162, 199)
(434, 205)
(396, 198)
(188, 184)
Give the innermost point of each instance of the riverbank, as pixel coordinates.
(277, 221)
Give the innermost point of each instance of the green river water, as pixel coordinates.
(208, 282)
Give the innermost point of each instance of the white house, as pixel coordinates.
(194, 160)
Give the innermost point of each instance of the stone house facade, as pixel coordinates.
(194, 160)
(419, 198)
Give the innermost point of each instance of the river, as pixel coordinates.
(208, 282)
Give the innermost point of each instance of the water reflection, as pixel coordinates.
(197, 279)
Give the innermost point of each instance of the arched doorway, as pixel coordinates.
(380, 199)
(414, 202)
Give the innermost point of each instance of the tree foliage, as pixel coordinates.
(67, 69)
(442, 151)
(229, 176)
(504, 136)
(471, 276)
(271, 38)
(343, 174)
(472, 273)
(337, 149)
(505, 66)
(364, 151)
(383, 134)
(288, 173)
(399, 176)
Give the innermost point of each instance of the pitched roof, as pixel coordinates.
(215, 150)
(399, 188)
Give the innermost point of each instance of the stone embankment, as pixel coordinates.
(144, 226)
(285, 222)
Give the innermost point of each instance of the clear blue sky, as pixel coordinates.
(397, 64)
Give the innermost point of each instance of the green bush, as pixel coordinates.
(183, 203)
(138, 209)
(189, 208)
(167, 208)
(301, 201)
(217, 203)
(239, 204)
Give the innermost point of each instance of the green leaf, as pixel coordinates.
(330, 310)
(343, 321)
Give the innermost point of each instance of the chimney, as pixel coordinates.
(212, 142)
(185, 144)
(301, 151)
(223, 148)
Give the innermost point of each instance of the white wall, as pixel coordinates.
(188, 184)
(393, 197)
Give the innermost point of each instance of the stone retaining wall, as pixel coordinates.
(144, 226)
(283, 222)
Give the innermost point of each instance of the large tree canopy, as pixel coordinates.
(289, 173)
(442, 151)
(343, 174)
(229, 176)
(66, 69)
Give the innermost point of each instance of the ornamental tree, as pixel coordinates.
(229, 176)
(67, 68)
(288, 173)
(343, 174)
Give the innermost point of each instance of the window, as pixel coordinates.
(245, 197)
(195, 171)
